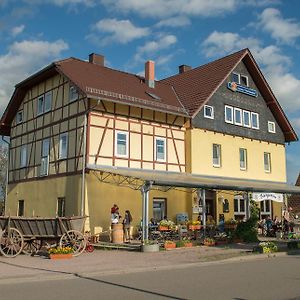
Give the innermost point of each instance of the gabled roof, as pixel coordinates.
(196, 86)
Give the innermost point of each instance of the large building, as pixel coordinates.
(84, 136)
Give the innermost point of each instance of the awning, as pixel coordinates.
(187, 180)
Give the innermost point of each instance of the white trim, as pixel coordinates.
(212, 112)
(247, 79)
(249, 113)
(239, 212)
(245, 156)
(116, 143)
(239, 76)
(263, 211)
(60, 145)
(252, 114)
(232, 115)
(217, 165)
(241, 114)
(269, 162)
(155, 148)
(274, 127)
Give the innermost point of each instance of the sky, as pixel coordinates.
(33, 33)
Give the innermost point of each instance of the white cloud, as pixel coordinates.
(169, 8)
(17, 30)
(163, 42)
(62, 2)
(22, 59)
(119, 31)
(282, 30)
(179, 21)
(275, 65)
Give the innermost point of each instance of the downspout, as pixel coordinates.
(7, 167)
(82, 212)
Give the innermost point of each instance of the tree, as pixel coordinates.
(3, 170)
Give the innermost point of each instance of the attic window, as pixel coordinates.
(19, 117)
(73, 93)
(153, 96)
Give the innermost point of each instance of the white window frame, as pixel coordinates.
(72, 95)
(23, 156)
(212, 112)
(232, 114)
(42, 97)
(248, 113)
(239, 212)
(247, 79)
(48, 97)
(61, 136)
(263, 206)
(165, 148)
(239, 76)
(44, 169)
(267, 170)
(243, 168)
(126, 146)
(270, 129)
(252, 125)
(219, 163)
(18, 119)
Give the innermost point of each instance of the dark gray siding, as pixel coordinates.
(224, 96)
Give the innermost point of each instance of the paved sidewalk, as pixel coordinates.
(114, 261)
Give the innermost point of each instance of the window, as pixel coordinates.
(216, 155)
(60, 210)
(19, 117)
(40, 105)
(225, 206)
(255, 120)
(243, 159)
(267, 162)
(239, 206)
(238, 116)
(208, 112)
(228, 114)
(159, 208)
(265, 208)
(45, 157)
(247, 118)
(21, 208)
(23, 160)
(235, 78)
(73, 94)
(271, 127)
(160, 149)
(48, 101)
(244, 80)
(63, 145)
(122, 144)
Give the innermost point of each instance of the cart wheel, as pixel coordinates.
(31, 246)
(74, 239)
(11, 242)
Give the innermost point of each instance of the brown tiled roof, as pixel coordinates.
(195, 87)
(294, 200)
(107, 83)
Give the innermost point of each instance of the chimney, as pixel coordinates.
(184, 68)
(96, 59)
(149, 73)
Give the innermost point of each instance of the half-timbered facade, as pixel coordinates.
(74, 123)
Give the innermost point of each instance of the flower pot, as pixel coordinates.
(163, 228)
(150, 248)
(170, 245)
(188, 245)
(61, 256)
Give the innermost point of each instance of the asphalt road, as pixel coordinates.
(269, 278)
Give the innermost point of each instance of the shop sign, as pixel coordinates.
(267, 196)
(235, 87)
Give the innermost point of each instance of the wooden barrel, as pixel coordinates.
(117, 233)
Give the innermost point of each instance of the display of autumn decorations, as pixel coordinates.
(194, 225)
(61, 250)
(166, 225)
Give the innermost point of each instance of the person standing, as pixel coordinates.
(126, 225)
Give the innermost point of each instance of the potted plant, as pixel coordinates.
(150, 246)
(230, 224)
(209, 242)
(266, 247)
(169, 245)
(60, 253)
(165, 225)
(194, 225)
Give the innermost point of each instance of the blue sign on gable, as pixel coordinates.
(235, 87)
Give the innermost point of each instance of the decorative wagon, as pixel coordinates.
(27, 235)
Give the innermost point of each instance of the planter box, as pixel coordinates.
(188, 245)
(194, 227)
(209, 244)
(61, 256)
(170, 245)
(163, 228)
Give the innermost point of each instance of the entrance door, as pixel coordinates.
(159, 208)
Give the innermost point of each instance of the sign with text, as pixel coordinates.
(267, 196)
(235, 87)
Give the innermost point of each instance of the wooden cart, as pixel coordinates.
(27, 235)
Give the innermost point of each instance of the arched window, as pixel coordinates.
(225, 206)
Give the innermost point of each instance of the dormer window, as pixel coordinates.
(73, 93)
(208, 112)
(244, 80)
(19, 117)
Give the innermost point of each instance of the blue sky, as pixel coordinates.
(33, 33)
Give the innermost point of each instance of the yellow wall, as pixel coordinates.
(201, 156)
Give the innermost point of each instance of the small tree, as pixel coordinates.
(3, 170)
